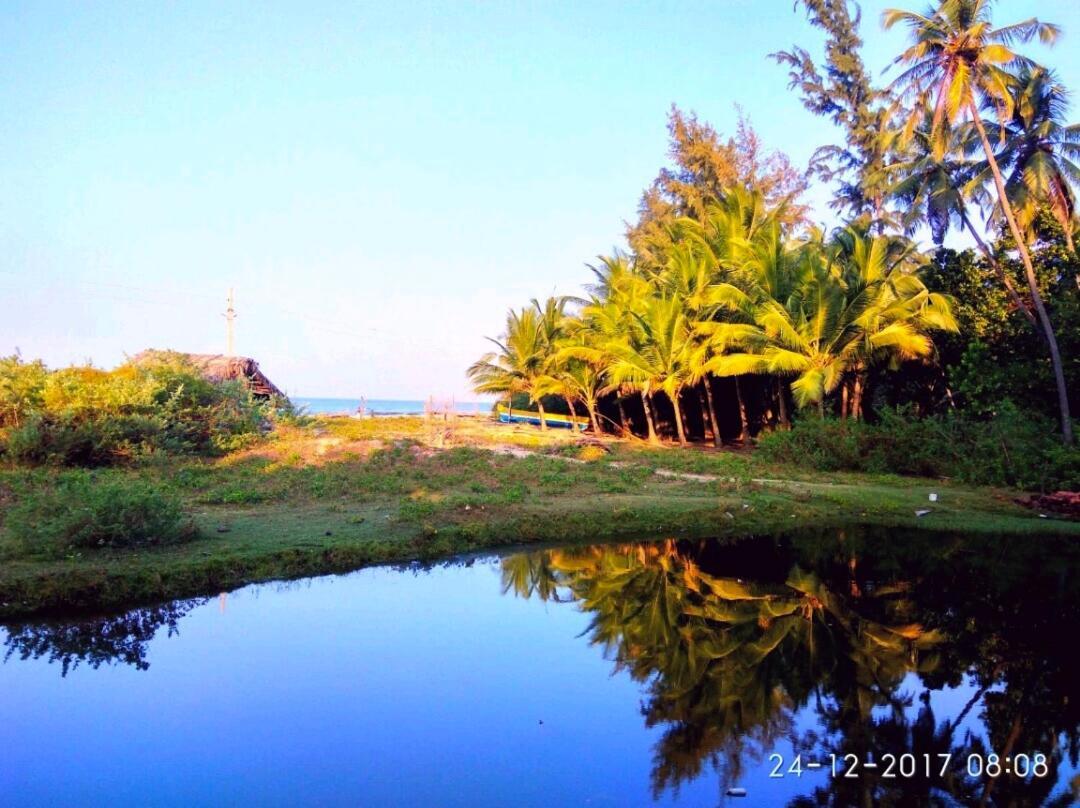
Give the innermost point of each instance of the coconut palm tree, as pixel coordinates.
(956, 60)
(600, 323)
(734, 238)
(655, 356)
(851, 304)
(520, 361)
(900, 310)
(553, 326)
(691, 275)
(575, 380)
(1039, 151)
(936, 188)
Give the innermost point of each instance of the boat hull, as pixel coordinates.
(553, 421)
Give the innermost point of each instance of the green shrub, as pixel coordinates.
(1009, 448)
(71, 440)
(81, 513)
(83, 416)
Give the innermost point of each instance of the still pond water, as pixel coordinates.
(617, 675)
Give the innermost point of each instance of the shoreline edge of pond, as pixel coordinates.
(339, 494)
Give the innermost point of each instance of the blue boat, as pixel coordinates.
(509, 416)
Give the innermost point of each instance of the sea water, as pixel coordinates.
(383, 406)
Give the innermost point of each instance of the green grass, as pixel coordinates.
(272, 515)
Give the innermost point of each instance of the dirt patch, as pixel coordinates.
(310, 451)
(1062, 503)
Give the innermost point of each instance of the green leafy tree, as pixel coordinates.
(846, 95)
(705, 168)
(956, 61)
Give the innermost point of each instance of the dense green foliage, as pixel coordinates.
(89, 417)
(958, 67)
(728, 313)
(997, 356)
(1008, 448)
(726, 294)
(81, 513)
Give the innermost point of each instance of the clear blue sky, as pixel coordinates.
(378, 181)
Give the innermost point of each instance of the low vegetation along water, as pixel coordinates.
(836, 668)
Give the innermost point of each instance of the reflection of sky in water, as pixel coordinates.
(385, 687)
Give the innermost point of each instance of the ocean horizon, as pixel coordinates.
(382, 406)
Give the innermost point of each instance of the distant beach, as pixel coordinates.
(382, 406)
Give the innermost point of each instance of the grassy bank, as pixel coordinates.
(339, 493)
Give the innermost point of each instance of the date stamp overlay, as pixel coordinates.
(911, 766)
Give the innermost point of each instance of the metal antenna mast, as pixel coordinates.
(230, 316)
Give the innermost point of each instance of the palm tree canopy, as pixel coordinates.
(853, 302)
(1040, 149)
(520, 358)
(957, 57)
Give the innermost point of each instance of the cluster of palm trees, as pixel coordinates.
(733, 294)
(727, 663)
(735, 289)
(735, 649)
(958, 69)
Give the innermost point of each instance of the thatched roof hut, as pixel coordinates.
(217, 368)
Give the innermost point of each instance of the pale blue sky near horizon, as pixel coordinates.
(378, 182)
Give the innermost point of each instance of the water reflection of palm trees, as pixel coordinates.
(728, 658)
(120, 638)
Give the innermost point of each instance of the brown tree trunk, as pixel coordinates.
(1029, 270)
(653, 438)
(679, 428)
(712, 413)
(543, 422)
(592, 418)
(704, 412)
(856, 397)
(999, 270)
(625, 424)
(573, 415)
(843, 400)
(781, 400)
(744, 435)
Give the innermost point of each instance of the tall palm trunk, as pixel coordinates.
(679, 427)
(712, 412)
(856, 395)
(704, 412)
(653, 438)
(744, 435)
(543, 422)
(1029, 271)
(781, 401)
(999, 270)
(573, 415)
(843, 400)
(591, 407)
(623, 422)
